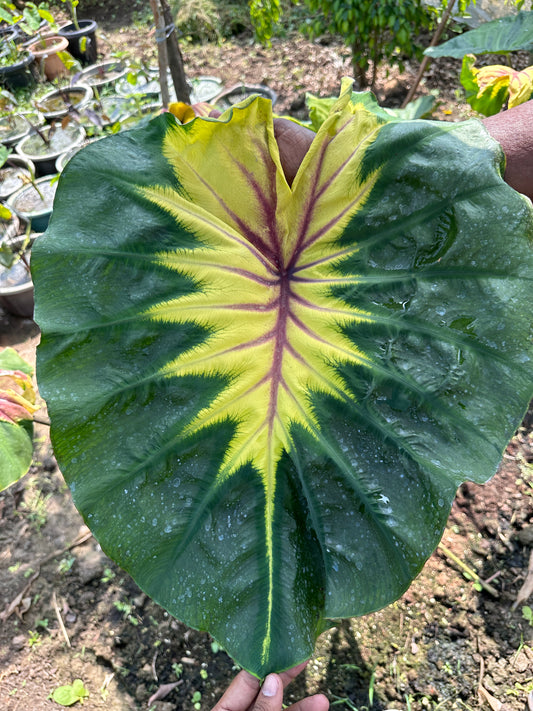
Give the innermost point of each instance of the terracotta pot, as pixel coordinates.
(45, 50)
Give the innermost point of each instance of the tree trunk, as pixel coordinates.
(162, 56)
(359, 64)
(175, 59)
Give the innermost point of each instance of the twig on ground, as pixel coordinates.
(469, 571)
(527, 588)
(60, 619)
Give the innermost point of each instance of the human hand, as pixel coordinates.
(245, 693)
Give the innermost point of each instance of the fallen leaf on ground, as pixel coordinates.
(163, 691)
(489, 698)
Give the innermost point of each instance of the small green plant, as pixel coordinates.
(34, 638)
(70, 693)
(65, 564)
(127, 608)
(177, 669)
(197, 700)
(108, 576)
(527, 614)
(34, 507)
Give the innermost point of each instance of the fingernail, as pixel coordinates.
(270, 685)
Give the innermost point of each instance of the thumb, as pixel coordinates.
(270, 696)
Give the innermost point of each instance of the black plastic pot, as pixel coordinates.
(20, 74)
(83, 49)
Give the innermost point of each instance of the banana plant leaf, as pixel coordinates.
(17, 406)
(508, 34)
(263, 397)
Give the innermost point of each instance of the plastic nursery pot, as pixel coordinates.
(34, 203)
(45, 50)
(16, 286)
(21, 74)
(104, 74)
(141, 82)
(9, 229)
(82, 42)
(103, 113)
(59, 102)
(239, 92)
(64, 158)
(140, 116)
(15, 173)
(205, 89)
(14, 127)
(44, 154)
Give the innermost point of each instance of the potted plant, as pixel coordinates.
(15, 171)
(59, 102)
(81, 35)
(16, 65)
(44, 145)
(103, 74)
(48, 52)
(16, 287)
(47, 49)
(34, 202)
(14, 126)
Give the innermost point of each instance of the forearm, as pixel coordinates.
(513, 129)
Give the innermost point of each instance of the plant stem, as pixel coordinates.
(436, 37)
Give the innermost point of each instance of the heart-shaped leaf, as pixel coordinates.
(264, 396)
(507, 34)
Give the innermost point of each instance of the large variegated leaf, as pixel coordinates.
(263, 397)
(17, 407)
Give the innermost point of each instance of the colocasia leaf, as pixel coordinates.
(17, 406)
(263, 397)
(488, 88)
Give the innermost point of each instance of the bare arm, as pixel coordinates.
(513, 129)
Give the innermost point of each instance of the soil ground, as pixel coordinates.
(67, 612)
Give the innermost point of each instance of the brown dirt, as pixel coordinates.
(444, 645)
